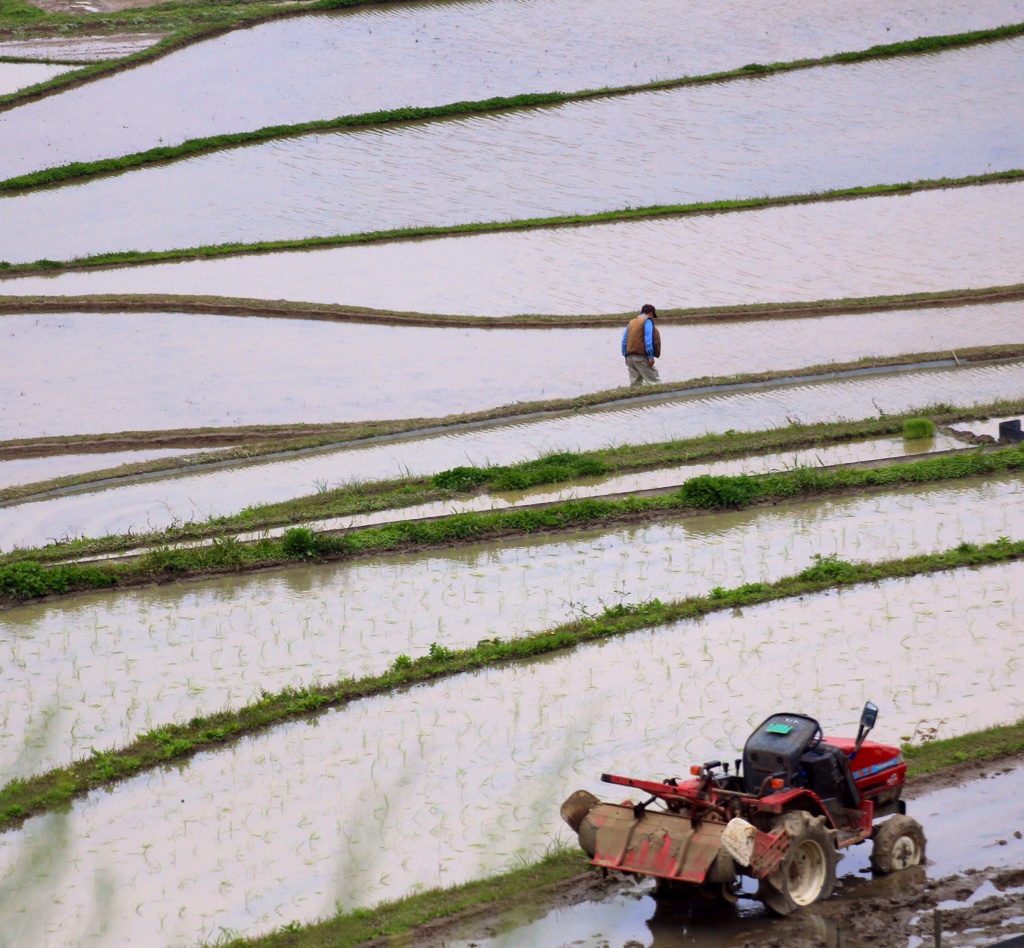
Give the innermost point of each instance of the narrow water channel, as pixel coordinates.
(456, 780)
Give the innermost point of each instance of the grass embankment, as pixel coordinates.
(20, 799)
(552, 469)
(247, 16)
(358, 926)
(337, 312)
(129, 258)
(29, 579)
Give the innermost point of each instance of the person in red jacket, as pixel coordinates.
(641, 345)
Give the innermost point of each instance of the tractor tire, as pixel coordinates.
(807, 873)
(898, 843)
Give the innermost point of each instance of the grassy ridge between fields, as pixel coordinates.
(404, 492)
(195, 146)
(28, 579)
(358, 926)
(126, 258)
(22, 798)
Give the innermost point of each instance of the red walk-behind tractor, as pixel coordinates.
(798, 800)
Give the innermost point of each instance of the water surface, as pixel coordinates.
(921, 242)
(451, 781)
(140, 372)
(906, 119)
(393, 55)
(14, 76)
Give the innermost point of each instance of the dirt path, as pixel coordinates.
(887, 912)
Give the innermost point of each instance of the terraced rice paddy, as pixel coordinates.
(219, 643)
(808, 131)
(153, 504)
(459, 777)
(172, 370)
(437, 53)
(928, 241)
(239, 839)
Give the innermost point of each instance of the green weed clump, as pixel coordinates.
(715, 490)
(550, 469)
(918, 428)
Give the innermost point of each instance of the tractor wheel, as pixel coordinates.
(898, 843)
(807, 873)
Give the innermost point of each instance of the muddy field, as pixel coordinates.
(976, 906)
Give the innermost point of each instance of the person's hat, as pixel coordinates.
(647, 308)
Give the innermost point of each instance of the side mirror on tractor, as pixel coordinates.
(867, 721)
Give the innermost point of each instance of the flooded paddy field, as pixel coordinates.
(14, 76)
(926, 241)
(77, 674)
(437, 53)
(631, 914)
(139, 372)
(158, 502)
(30, 470)
(452, 781)
(943, 115)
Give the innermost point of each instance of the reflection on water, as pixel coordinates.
(167, 370)
(219, 643)
(14, 76)
(891, 120)
(454, 780)
(928, 241)
(160, 502)
(433, 53)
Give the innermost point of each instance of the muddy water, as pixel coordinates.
(167, 370)
(87, 663)
(434, 53)
(452, 781)
(933, 240)
(31, 470)
(631, 916)
(85, 48)
(158, 503)
(893, 120)
(14, 76)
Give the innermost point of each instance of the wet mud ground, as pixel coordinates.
(975, 878)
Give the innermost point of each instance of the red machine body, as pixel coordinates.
(780, 817)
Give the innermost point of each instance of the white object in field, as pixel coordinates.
(738, 840)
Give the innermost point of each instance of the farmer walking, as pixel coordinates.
(641, 345)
